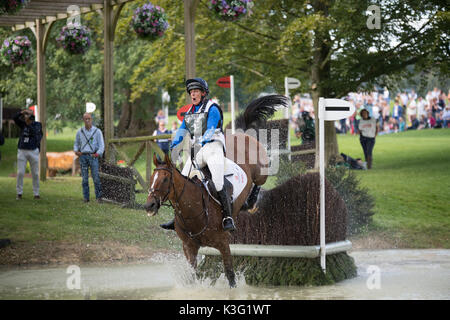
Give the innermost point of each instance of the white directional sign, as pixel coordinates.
(90, 107)
(292, 83)
(330, 110)
(335, 109)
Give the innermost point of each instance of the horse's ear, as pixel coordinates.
(167, 159)
(156, 160)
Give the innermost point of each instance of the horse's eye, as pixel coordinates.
(165, 179)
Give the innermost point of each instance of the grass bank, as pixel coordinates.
(410, 181)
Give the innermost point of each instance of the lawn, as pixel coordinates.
(410, 181)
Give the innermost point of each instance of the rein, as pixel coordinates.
(177, 209)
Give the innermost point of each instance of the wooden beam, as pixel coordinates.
(41, 97)
(189, 39)
(108, 76)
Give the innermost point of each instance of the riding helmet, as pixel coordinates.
(197, 83)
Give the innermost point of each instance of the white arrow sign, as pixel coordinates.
(292, 83)
(335, 109)
(329, 109)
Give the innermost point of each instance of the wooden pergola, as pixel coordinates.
(40, 15)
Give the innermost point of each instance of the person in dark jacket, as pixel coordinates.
(29, 146)
(2, 142)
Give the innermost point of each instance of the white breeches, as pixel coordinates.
(211, 155)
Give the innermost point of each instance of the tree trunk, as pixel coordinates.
(320, 72)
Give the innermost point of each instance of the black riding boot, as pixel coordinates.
(227, 222)
(168, 225)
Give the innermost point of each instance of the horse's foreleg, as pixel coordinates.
(190, 251)
(228, 264)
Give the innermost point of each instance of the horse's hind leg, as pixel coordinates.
(252, 198)
(228, 264)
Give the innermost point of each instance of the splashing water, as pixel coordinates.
(403, 274)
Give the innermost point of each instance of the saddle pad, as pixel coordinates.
(236, 176)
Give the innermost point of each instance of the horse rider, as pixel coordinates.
(204, 122)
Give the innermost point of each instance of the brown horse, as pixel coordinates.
(198, 217)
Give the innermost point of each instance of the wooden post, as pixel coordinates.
(149, 163)
(41, 96)
(108, 33)
(189, 39)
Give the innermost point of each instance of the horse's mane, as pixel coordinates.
(259, 111)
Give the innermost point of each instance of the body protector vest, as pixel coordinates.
(196, 123)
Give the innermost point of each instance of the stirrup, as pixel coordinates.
(231, 227)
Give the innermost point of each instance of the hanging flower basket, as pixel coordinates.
(16, 51)
(11, 6)
(75, 39)
(149, 22)
(230, 10)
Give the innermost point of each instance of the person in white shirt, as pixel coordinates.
(368, 130)
(421, 107)
(411, 111)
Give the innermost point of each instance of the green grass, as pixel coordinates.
(410, 181)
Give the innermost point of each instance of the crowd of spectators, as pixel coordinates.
(394, 113)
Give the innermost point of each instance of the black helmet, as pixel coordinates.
(197, 83)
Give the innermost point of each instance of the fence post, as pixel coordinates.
(149, 162)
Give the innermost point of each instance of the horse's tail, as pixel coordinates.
(259, 111)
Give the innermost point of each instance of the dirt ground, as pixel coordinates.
(51, 253)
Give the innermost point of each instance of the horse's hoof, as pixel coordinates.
(232, 285)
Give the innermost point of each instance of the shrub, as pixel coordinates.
(359, 202)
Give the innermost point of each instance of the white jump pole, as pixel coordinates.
(232, 103)
(321, 108)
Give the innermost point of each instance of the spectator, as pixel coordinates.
(2, 141)
(421, 107)
(422, 122)
(431, 120)
(164, 144)
(160, 116)
(28, 150)
(174, 127)
(401, 124)
(414, 123)
(397, 111)
(386, 96)
(446, 117)
(411, 111)
(368, 130)
(89, 146)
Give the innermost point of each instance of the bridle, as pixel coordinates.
(176, 208)
(162, 200)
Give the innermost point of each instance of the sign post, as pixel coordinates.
(233, 128)
(228, 82)
(289, 83)
(329, 110)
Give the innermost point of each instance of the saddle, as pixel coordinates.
(210, 185)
